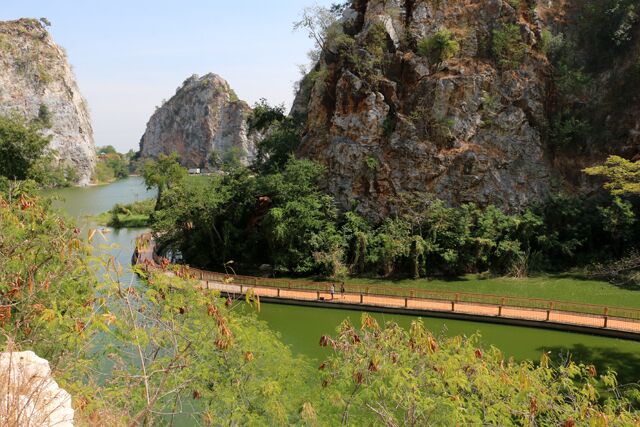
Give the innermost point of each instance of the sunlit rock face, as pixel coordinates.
(465, 129)
(204, 119)
(35, 76)
(29, 396)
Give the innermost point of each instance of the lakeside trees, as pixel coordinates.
(163, 174)
(236, 215)
(164, 351)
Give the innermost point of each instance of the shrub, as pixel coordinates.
(399, 376)
(439, 47)
(508, 47)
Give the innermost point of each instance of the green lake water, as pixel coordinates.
(302, 327)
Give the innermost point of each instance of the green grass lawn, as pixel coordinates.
(563, 287)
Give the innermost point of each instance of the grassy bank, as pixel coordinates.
(132, 215)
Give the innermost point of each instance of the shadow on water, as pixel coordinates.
(625, 364)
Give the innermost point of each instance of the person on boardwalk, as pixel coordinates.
(342, 290)
(332, 290)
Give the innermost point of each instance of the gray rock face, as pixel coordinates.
(29, 396)
(34, 72)
(203, 119)
(462, 131)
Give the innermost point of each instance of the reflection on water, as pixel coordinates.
(301, 327)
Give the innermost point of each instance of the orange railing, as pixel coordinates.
(423, 294)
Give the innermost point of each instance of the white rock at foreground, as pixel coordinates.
(29, 397)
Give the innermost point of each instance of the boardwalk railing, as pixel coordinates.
(423, 294)
(591, 316)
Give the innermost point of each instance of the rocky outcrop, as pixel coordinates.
(462, 129)
(29, 396)
(36, 79)
(392, 119)
(203, 119)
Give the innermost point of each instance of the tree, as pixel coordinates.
(21, 146)
(107, 149)
(163, 174)
(391, 376)
(282, 135)
(205, 219)
(322, 26)
(302, 221)
(46, 288)
(622, 176)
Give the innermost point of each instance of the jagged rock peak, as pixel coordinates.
(35, 76)
(204, 119)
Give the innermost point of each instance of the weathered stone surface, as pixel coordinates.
(29, 396)
(203, 118)
(461, 131)
(34, 72)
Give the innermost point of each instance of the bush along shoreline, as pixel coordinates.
(131, 215)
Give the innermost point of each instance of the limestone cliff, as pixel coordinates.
(203, 119)
(392, 114)
(36, 77)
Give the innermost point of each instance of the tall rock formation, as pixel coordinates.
(204, 118)
(452, 99)
(36, 78)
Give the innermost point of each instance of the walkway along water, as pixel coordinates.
(561, 315)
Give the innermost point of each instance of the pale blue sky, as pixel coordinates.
(129, 55)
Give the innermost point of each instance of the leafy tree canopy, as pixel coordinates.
(21, 147)
(622, 176)
(163, 173)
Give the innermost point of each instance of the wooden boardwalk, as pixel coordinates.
(601, 320)
(573, 321)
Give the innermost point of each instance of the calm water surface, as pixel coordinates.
(302, 327)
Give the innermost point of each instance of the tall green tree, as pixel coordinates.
(282, 135)
(163, 173)
(22, 145)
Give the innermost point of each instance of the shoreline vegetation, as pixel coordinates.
(131, 215)
(112, 166)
